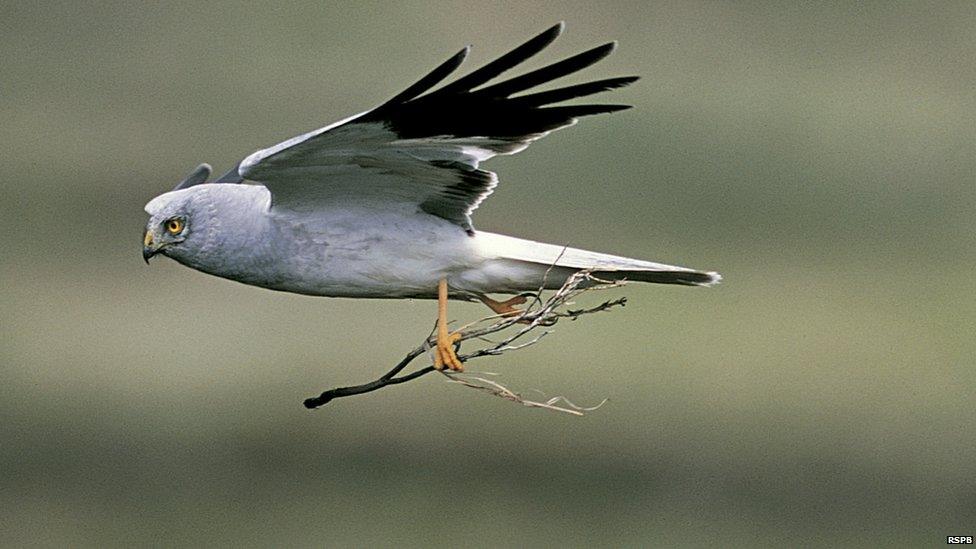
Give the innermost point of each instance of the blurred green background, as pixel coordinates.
(820, 156)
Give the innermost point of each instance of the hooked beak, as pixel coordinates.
(148, 247)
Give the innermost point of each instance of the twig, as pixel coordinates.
(539, 313)
(499, 390)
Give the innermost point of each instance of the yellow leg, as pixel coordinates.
(444, 355)
(504, 308)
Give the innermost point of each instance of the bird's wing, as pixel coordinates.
(201, 173)
(424, 149)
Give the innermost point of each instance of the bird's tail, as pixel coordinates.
(530, 264)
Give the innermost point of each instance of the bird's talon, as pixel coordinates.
(445, 354)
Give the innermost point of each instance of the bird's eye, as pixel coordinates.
(174, 225)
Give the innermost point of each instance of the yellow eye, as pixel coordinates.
(174, 226)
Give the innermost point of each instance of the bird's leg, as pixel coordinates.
(504, 308)
(444, 355)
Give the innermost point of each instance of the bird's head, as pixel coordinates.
(177, 225)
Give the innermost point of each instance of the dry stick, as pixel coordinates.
(499, 390)
(538, 313)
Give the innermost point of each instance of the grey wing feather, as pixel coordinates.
(456, 201)
(199, 175)
(231, 176)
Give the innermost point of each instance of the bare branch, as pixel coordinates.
(499, 390)
(539, 313)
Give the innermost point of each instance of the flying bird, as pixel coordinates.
(378, 205)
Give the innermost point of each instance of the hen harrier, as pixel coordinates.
(378, 205)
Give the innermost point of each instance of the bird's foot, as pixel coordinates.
(444, 354)
(504, 308)
(507, 308)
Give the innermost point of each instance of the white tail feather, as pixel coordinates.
(537, 255)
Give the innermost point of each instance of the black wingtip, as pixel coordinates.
(605, 50)
(549, 73)
(571, 92)
(575, 111)
(556, 29)
(511, 59)
(623, 81)
(547, 36)
(594, 55)
(431, 79)
(472, 106)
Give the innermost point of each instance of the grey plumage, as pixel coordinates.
(379, 204)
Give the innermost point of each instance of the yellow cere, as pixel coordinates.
(174, 226)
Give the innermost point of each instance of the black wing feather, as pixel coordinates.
(505, 62)
(549, 73)
(459, 110)
(427, 82)
(572, 92)
(574, 111)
